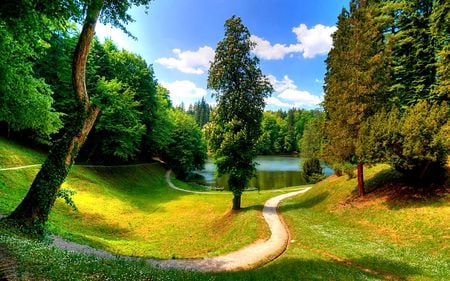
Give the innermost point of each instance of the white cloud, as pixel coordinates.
(288, 95)
(184, 91)
(193, 62)
(265, 50)
(282, 85)
(119, 38)
(315, 41)
(310, 42)
(276, 102)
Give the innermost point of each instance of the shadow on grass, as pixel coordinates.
(318, 269)
(306, 204)
(398, 193)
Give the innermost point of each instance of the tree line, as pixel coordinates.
(387, 88)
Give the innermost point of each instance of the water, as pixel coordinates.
(272, 172)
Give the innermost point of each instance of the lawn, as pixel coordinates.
(335, 236)
(132, 211)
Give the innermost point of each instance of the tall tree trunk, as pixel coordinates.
(360, 168)
(34, 209)
(236, 202)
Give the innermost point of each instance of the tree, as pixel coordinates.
(415, 141)
(25, 99)
(240, 89)
(354, 82)
(412, 51)
(200, 111)
(33, 211)
(312, 171)
(119, 127)
(312, 141)
(159, 135)
(185, 150)
(440, 30)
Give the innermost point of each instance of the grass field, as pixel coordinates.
(131, 211)
(335, 236)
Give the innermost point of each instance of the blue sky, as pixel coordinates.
(178, 38)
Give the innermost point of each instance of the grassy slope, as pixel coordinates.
(131, 211)
(335, 237)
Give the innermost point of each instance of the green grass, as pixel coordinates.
(335, 235)
(131, 211)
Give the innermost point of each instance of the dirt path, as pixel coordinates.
(251, 256)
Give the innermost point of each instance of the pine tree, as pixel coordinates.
(353, 83)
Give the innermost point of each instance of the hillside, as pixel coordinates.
(335, 236)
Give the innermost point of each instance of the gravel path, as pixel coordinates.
(251, 256)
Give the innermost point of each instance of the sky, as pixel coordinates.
(178, 38)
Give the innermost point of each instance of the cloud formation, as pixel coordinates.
(184, 91)
(315, 41)
(265, 50)
(192, 62)
(288, 95)
(310, 42)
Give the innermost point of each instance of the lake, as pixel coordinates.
(272, 172)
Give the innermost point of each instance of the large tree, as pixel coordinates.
(353, 83)
(33, 211)
(25, 99)
(240, 89)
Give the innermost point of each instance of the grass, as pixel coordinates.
(335, 236)
(131, 211)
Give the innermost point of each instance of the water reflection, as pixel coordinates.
(272, 172)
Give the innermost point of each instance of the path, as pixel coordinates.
(251, 256)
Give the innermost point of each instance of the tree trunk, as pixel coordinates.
(360, 179)
(236, 202)
(34, 209)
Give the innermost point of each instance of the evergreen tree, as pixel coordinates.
(240, 89)
(354, 82)
(413, 51)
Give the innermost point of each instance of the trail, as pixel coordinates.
(251, 256)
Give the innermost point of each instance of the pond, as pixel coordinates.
(275, 171)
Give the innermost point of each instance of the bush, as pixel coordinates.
(344, 168)
(415, 142)
(312, 171)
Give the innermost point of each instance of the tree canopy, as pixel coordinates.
(240, 88)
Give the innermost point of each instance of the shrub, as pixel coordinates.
(312, 171)
(415, 142)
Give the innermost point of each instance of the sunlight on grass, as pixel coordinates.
(132, 211)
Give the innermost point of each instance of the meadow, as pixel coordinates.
(131, 211)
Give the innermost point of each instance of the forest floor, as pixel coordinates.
(334, 234)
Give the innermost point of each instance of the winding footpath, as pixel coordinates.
(251, 256)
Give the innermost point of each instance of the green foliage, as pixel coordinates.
(25, 100)
(312, 171)
(185, 149)
(66, 194)
(274, 132)
(159, 136)
(412, 51)
(415, 142)
(440, 30)
(119, 127)
(240, 89)
(313, 137)
(354, 82)
(200, 111)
